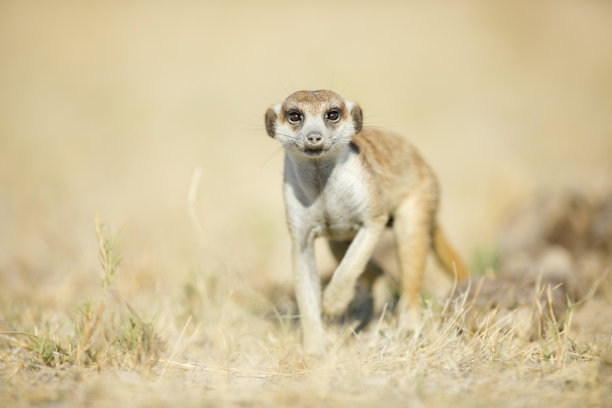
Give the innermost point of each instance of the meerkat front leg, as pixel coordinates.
(308, 294)
(372, 270)
(412, 227)
(339, 291)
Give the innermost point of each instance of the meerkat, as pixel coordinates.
(348, 183)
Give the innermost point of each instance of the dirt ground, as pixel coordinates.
(178, 293)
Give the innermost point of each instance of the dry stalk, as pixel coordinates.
(175, 348)
(110, 265)
(555, 327)
(191, 202)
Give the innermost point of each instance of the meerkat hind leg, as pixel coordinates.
(412, 227)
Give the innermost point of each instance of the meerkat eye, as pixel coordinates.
(333, 115)
(294, 117)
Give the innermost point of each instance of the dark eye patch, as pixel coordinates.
(294, 116)
(332, 115)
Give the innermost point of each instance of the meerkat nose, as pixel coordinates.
(314, 138)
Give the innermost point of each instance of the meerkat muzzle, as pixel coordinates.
(314, 139)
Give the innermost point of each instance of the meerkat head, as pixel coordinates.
(314, 124)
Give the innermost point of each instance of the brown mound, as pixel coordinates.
(555, 250)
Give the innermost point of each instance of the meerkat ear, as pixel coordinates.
(356, 114)
(271, 116)
(270, 121)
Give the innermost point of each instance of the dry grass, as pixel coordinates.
(181, 297)
(232, 349)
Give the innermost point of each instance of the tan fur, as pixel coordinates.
(347, 183)
(447, 256)
(401, 172)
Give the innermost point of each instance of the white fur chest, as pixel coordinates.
(326, 199)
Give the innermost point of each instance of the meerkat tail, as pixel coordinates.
(447, 256)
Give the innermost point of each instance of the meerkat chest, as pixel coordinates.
(344, 203)
(331, 202)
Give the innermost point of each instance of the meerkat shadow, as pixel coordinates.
(360, 309)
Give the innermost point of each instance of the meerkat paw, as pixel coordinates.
(336, 299)
(409, 318)
(314, 349)
(313, 345)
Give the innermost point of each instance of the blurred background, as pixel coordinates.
(110, 107)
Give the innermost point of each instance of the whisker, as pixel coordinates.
(271, 155)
